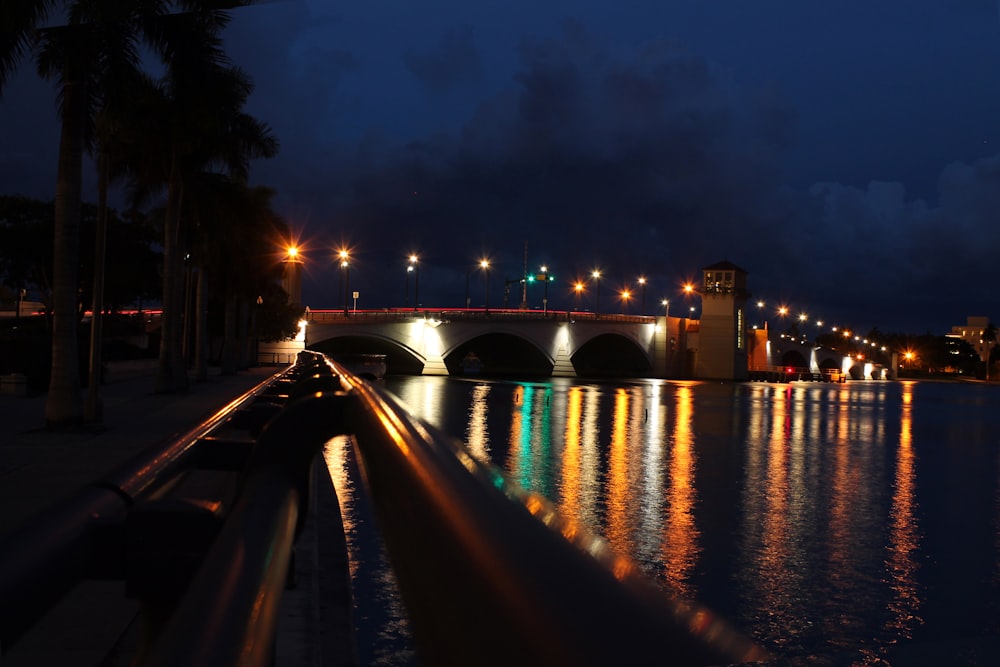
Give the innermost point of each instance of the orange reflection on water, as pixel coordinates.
(571, 479)
(477, 435)
(680, 549)
(336, 455)
(617, 481)
(517, 440)
(773, 567)
(904, 534)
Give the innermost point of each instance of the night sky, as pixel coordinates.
(846, 154)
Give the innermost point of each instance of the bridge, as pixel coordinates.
(545, 343)
(531, 343)
(516, 342)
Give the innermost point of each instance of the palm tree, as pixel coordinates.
(74, 55)
(193, 122)
(233, 252)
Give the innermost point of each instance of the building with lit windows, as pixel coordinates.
(722, 342)
(973, 332)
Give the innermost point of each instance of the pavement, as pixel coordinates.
(39, 467)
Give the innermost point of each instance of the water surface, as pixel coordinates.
(822, 519)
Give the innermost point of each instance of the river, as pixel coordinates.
(847, 520)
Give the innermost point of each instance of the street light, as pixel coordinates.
(642, 281)
(345, 271)
(596, 275)
(626, 295)
(545, 299)
(484, 264)
(415, 263)
(666, 308)
(578, 290)
(406, 294)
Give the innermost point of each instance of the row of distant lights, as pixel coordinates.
(625, 294)
(784, 311)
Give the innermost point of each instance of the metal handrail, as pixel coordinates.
(228, 616)
(43, 559)
(492, 574)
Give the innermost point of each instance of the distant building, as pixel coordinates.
(972, 332)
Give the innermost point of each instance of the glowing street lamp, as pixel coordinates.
(345, 274)
(578, 290)
(642, 282)
(292, 274)
(484, 264)
(413, 268)
(625, 295)
(545, 299)
(596, 275)
(666, 308)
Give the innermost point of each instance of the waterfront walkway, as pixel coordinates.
(39, 467)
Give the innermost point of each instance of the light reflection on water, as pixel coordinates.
(821, 519)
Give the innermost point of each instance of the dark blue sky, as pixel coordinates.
(846, 154)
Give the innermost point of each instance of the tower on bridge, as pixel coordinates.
(722, 343)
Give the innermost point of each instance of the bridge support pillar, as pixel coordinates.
(661, 348)
(562, 367)
(434, 365)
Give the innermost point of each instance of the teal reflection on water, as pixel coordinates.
(823, 519)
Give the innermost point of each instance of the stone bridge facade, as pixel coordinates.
(558, 344)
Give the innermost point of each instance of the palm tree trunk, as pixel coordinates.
(171, 373)
(201, 328)
(245, 343)
(64, 405)
(93, 409)
(230, 345)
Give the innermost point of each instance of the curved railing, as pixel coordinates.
(466, 314)
(490, 573)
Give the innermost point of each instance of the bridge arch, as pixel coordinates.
(794, 359)
(507, 350)
(400, 358)
(611, 354)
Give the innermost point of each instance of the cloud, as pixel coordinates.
(650, 162)
(455, 62)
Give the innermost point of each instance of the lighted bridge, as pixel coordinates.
(525, 343)
(522, 342)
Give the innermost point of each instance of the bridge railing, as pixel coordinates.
(141, 524)
(466, 314)
(788, 373)
(490, 573)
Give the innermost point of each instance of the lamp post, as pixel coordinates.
(345, 269)
(666, 308)
(626, 295)
(642, 283)
(406, 294)
(484, 264)
(578, 290)
(545, 299)
(596, 275)
(415, 267)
